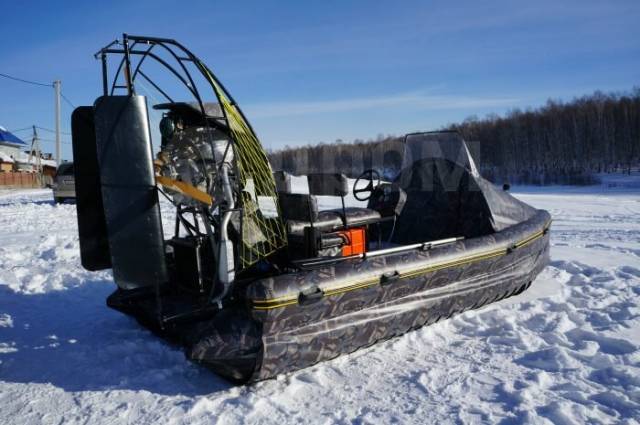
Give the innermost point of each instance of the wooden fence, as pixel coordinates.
(11, 180)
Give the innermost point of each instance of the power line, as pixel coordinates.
(58, 93)
(66, 133)
(67, 100)
(21, 129)
(52, 131)
(37, 84)
(25, 81)
(64, 142)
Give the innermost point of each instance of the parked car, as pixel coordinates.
(64, 185)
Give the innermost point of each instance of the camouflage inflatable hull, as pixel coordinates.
(293, 321)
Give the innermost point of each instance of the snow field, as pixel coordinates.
(565, 351)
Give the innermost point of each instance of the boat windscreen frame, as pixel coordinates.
(462, 156)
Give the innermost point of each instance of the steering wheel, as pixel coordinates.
(371, 175)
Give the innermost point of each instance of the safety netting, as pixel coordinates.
(262, 230)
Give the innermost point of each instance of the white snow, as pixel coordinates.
(565, 351)
(6, 158)
(24, 158)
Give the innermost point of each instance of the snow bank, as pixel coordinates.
(565, 351)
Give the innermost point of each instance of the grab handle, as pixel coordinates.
(310, 296)
(389, 277)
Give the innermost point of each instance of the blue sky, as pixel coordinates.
(309, 72)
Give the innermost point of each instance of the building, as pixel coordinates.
(6, 163)
(10, 150)
(22, 167)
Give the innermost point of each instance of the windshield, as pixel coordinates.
(437, 145)
(65, 169)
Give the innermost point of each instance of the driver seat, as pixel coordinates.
(301, 210)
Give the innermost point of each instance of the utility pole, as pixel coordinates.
(37, 153)
(56, 87)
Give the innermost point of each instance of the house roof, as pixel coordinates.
(9, 138)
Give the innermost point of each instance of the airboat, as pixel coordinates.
(257, 280)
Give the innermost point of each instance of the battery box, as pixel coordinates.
(355, 241)
(193, 263)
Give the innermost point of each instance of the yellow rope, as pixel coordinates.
(261, 236)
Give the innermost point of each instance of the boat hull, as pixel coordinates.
(293, 321)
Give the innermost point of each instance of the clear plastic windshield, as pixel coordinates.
(438, 145)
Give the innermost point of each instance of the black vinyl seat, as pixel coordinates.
(332, 220)
(301, 210)
(312, 232)
(283, 181)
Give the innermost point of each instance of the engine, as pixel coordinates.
(193, 151)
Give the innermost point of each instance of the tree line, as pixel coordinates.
(558, 143)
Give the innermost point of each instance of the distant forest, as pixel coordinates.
(558, 143)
